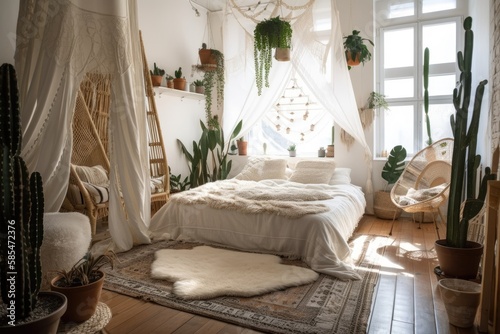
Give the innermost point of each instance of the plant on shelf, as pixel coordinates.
(170, 81)
(242, 146)
(199, 86)
(21, 216)
(209, 161)
(268, 34)
(179, 80)
(292, 150)
(465, 161)
(157, 75)
(356, 51)
(393, 168)
(82, 285)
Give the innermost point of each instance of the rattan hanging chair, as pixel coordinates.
(424, 184)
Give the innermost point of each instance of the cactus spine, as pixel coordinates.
(464, 151)
(21, 208)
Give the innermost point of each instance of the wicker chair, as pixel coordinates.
(424, 184)
(87, 151)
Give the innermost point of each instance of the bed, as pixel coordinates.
(308, 212)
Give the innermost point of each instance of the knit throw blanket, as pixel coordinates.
(280, 198)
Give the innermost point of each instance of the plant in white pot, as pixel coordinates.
(24, 309)
(457, 256)
(383, 206)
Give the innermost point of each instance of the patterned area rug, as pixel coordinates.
(328, 305)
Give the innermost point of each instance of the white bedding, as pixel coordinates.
(319, 239)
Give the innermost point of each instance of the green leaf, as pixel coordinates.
(395, 164)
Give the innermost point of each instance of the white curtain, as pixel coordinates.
(309, 58)
(57, 43)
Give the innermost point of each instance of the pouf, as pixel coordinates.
(66, 239)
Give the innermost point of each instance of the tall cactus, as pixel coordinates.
(464, 149)
(21, 210)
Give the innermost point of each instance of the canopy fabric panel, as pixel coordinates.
(58, 42)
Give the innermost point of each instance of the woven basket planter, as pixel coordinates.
(383, 206)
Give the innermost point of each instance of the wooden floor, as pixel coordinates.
(406, 299)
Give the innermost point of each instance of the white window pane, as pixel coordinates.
(399, 128)
(398, 88)
(398, 48)
(441, 85)
(439, 116)
(429, 6)
(401, 9)
(441, 40)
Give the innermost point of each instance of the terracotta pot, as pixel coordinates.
(156, 80)
(461, 300)
(207, 60)
(170, 83)
(82, 300)
(459, 262)
(352, 61)
(45, 325)
(242, 147)
(383, 207)
(180, 83)
(282, 54)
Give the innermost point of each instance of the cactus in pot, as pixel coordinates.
(464, 152)
(21, 209)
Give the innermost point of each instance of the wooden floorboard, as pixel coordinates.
(406, 299)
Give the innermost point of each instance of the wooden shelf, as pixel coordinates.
(159, 91)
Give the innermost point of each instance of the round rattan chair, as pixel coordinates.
(424, 184)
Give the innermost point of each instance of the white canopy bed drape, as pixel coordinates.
(58, 42)
(308, 60)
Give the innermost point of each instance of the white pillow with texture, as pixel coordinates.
(96, 174)
(313, 172)
(258, 169)
(341, 175)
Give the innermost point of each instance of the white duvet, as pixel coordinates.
(319, 239)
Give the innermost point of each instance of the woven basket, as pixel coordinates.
(383, 206)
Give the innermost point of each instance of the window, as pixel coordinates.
(405, 30)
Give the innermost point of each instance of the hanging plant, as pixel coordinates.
(214, 77)
(356, 51)
(269, 34)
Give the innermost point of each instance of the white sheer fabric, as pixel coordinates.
(57, 43)
(309, 59)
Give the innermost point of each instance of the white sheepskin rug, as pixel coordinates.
(205, 272)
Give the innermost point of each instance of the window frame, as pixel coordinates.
(419, 21)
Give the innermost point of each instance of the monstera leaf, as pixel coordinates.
(395, 164)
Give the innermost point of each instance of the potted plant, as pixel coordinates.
(176, 182)
(270, 34)
(383, 206)
(207, 58)
(209, 161)
(330, 149)
(170, 81)
(242, 146)
(179, 80)
(376, 101)
(21, 227)
(82, 286)
(291, 150)
(214, 78)
(457, 256)
(356, 51)
(199, 86)
(157, 75)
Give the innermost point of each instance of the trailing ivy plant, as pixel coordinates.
(214, 78)
(209, 161)
(269, 34)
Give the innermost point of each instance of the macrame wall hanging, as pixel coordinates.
(366, 115)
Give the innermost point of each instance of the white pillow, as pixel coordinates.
(313, 172)
(95, 175)
(262, 169)
(341, 175)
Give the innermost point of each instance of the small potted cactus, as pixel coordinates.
(179, 80)
(199, 86)
(157, 75)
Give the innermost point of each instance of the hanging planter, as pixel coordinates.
(207, 58)
(268, 35)
(356, 51)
